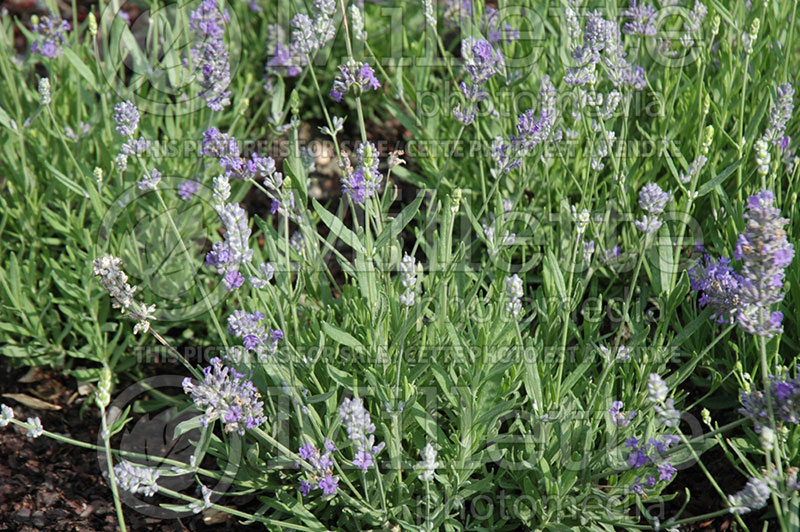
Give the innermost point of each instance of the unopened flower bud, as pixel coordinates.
(706, 415)
(44, 91)
(92, 24)
(104, 388)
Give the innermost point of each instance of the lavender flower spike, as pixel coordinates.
(126, 116)
(653, 199)
(753, 496)
(359, 426)
(359, 76)
(765, 253)
(136, 479)
(785, 394)
(428, 464)
(656, 388)
(6, 415)
(226, 395)
(620, 418)
(780, 114)
(321, 473)
(50, 36)
(641, 20)
(210, 53)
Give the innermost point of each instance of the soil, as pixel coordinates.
(49, 486)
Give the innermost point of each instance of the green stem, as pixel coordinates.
(112, 479)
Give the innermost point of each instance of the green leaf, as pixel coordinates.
(338, 228)
(342, 337)
(398, 224)
(4, 118)
(81, 67)
(342, 378)
(710, 185)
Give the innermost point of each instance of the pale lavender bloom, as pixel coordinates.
(321, 473)
(588, 250)
(358, 76)
(785, 395)
(428, 464)
(720, 285)
(653, 199)
(188, 189)
(226, 256)
(641, 19)
(329, 484)
(216, 144)
(44, 91)
(531, 130)
(666, 471)
(365, 180)
(35, 429)
(265, 273)
(136, 479)
(226, 395)
(667, 413)
(150, 180)
(121, 162)
(780, 114)
(134, 146)
(222, 189)
(602, 44)
(765, 253)
(205, 504)
(126, 116)
(481, 61)
(225, 148)
(489, 229)
(6, 415)
(648, 224)
(753, 496)
(656, 388)
(232, 280)
(620, 418)
(408, 276)
(492, 30)
(210, 53)
(693, 25)
(514, 293)
(694, 169)
(109, 272)
(254, 335)
(50, 36)
(359, 426)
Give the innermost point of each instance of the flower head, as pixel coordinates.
(641, 19)
(50, 36)
(753, 496)
(136, 479)
(358, 76)
(210, 53)
(359, 427)
(428, 464)
(6, 415)
(653, 199)
(35, 429)
(226, 395)
(514, 293)
(126, 116)
(785, 395)
(188, 188)
(620, 418)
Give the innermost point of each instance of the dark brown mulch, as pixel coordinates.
(49, 486)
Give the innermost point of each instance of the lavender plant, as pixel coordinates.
(502, 315)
